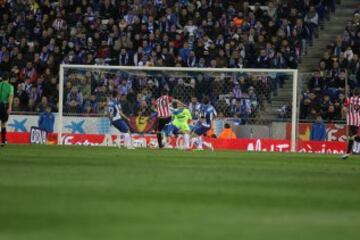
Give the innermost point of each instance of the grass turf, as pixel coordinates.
(52, 192)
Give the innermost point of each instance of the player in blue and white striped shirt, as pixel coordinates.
(118, 118)
(207, 114)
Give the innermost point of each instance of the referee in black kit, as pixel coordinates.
(6, 100)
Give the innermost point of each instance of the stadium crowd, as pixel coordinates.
(340, 66)
(37, 35)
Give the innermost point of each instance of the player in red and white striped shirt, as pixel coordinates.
(162, 105)
(353, 120)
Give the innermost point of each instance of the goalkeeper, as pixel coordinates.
(181, 118)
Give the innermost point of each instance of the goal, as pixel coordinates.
(256, 103)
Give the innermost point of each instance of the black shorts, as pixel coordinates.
(353, 130)
(161, 122)
(4, 116)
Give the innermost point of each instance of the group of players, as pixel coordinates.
(173, 119)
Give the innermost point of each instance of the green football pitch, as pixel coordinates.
(78, 193)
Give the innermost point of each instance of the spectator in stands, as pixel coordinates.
(236, 91)
(316, 83)
(332, 115)
(223, 106)
(325, 104)
(5, 64)
(126, 109)
(254, 103)
(279, 61)
(312, 19)
(41, 107)
(50, 89)
(16, 105)
(241, 110)
(354, 67)
(315, 101)
(59, 23)
(29, 72)
(74, 100)
(145, 109)
(263, 60)
(217, 87)
(30, 106)
(302, 32)
(34, 93)
(91, 105)
(101, 93)
(179, 90)
(305, 107)
(37, 37)
(284, 112)
(236, 110)
(195, 108)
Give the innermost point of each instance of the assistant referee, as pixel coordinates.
(6, 100)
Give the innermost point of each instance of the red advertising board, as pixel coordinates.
(268, 145)
(321, 147)
(334, 132)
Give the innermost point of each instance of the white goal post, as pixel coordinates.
(291, 72)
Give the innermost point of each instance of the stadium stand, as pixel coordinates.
(339, 66)
(36, 36)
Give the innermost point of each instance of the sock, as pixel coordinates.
(200, 142)
(194, 142)
(187, 140)
(118, 140)
(107, 140)
(164, 140)
(350, 145)
(159, 138)
(3, 134)
(128, 140)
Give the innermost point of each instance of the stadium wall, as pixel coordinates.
(95, 131)
(101, 125)
(255, 145)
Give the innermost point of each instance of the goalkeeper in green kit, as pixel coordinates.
(181, 118)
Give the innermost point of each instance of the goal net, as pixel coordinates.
(255, 103)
